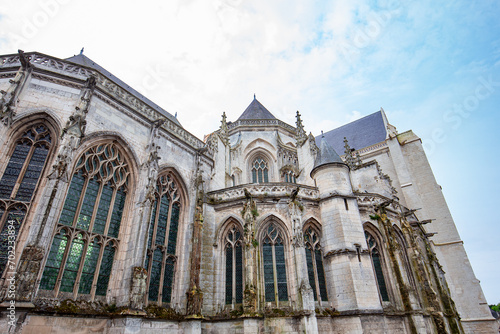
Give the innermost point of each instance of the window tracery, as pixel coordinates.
(273, 256)
(314, 259)
(162, 239)
(81, 257)
(18, 183)
(260, 171)
(373, 247)
(233, 250)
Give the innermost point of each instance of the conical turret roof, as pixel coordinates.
(256, 111)
(326, 154)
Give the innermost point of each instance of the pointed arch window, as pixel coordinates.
(260, 171)
(233, 251)
(373, 247)
(18, 183)
(82, 252)
(314, 260)
(273, 256)
(289, 176)
(162, 240)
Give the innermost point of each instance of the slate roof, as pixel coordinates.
(81, 59)
(361, 133)
(256, 111)
(326, 154)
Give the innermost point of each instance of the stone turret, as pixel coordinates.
(347, 261)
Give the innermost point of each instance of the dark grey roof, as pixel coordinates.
(326, 154)
(361, 133)
(81, 59)
(256, 111)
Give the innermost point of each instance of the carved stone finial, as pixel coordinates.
(312, 144)
(224, 132)
(349, 159)
(300, 134)
(10, 97)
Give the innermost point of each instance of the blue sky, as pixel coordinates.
(434, 68)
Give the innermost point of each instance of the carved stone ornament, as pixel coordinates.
(249, 214)
(29, 267)
(307, 295)
(152, 161)
(312, 145)
(64, 156)
(300, 134)
(138, 288)
(223, 133)
(295, 209)
(77, 121)
(10, 97)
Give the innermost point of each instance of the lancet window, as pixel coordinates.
(314, 259)
(162, 239)
(273, 256)
(233, 251)
(81, 257)
(289, 176)
(377, 265)
(260, 171)
(18, 183)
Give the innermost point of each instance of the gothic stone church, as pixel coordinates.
(115, 219)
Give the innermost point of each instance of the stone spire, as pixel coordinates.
(300, 134)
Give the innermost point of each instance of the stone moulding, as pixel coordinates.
(51, 64)
(267, 190)
(261, 122)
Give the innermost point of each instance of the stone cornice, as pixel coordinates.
(264, 190)
(253, 123)
(59, 67)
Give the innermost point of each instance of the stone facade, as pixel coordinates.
(121, 221)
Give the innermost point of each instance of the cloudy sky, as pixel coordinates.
(433, 66)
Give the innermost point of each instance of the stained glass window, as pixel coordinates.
(234, 265)
(314, 261)
(18, 183)
(377, 265)
(260, 171)
(162, 239)
(83, 250)
(273, 256)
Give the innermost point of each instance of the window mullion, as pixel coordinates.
(162, 276)
(96, 206)
(234, 274)
(110, 212)
(80, 201)
(63, 265)
(315, 270)
(80, 268)
(167, 227)
(149, 268)
(20, 177)
(275, 275)
(96, 273)
(155, 226)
